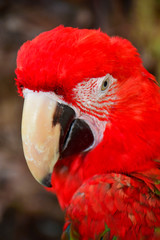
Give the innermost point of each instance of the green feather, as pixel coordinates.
(70, 234)
(106, 233)
(114, 238)
(157, 230)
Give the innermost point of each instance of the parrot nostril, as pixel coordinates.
(59, 91)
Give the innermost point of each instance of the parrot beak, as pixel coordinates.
(40, 138)
(49, 132)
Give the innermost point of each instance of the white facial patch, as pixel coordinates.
(95, 97)
(91, 98)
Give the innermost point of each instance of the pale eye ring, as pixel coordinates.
(104, 85)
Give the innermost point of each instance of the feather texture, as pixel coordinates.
(116, 205)
(111, 191)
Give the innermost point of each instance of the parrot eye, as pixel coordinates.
(104, 84)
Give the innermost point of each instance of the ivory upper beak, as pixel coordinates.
(40, 138)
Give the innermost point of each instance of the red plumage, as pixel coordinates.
(113, 183)
(62, 57)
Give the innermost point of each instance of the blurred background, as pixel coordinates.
(27, 211)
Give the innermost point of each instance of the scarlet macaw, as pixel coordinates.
(91, 131)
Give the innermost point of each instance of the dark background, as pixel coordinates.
(27, 211)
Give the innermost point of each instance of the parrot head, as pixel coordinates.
(87, 96)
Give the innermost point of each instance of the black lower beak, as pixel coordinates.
(76, 135)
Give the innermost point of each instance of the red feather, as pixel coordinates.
(117, 182)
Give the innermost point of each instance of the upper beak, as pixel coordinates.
(50, 131)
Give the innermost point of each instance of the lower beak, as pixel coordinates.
(50, 131)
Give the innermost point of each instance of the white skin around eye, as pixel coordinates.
(94, 103)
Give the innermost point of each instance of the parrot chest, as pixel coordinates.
(114, 206)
